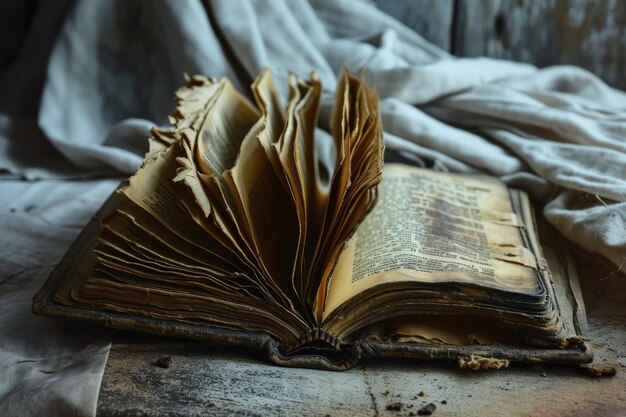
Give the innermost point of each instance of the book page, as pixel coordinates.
(430, 227)
(357, 130)
(229, 117)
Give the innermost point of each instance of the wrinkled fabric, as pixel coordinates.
(92, 78)
(47, 367)
(115, 65)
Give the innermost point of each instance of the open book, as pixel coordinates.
(248, 225)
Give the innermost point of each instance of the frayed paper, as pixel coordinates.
(478, 362)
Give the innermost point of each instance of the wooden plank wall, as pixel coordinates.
(587, 33)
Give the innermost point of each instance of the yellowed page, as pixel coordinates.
(263, 201)
(434, 227)
(261, 190)
(151, 188)
(215, 121)
(227, 121)
(303, 154)
(358, 171)
(274, 126)
(268, 100)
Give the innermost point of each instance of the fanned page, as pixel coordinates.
(450, 237)
(228, 221)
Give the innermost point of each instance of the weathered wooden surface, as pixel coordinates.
(590, 34)
(430, 18)
(206, 379)
(587, 33)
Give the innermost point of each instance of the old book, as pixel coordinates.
(247, 225)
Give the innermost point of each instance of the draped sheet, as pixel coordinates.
(91, 78)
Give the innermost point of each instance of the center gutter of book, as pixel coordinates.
(257, 217)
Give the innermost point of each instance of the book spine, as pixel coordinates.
(315, 336)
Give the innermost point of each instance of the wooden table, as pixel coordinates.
(209, 380)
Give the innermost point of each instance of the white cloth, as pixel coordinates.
(558, 133)
(47, 367)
